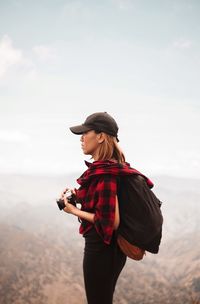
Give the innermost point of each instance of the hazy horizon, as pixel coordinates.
(41, 247)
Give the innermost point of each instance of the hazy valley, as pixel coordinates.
(41, 250)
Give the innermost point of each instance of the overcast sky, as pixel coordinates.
(138, 60)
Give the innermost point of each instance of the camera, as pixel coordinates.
(71, 198)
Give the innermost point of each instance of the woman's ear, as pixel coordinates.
(100, 137)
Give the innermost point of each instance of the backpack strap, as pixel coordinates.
(118, 180)
(118, 184)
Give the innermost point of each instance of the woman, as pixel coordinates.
(99, 214)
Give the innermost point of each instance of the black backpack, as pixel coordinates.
(140, 213)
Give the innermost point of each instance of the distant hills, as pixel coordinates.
(41, 250)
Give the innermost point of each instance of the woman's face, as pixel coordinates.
(90, 142)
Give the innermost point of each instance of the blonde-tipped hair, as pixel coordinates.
(109, 149)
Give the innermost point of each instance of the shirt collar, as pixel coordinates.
(88, 164)
(96, 162)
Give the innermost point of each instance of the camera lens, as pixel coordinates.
(61, 204)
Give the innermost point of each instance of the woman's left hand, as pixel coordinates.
(69, 207)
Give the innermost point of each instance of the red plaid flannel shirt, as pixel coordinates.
(97, 194)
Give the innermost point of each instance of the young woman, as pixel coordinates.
(103, 260)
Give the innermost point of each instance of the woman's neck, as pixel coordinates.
(95, 155)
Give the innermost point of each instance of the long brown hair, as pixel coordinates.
(109, 149)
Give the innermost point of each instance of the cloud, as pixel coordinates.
(182, 44)
(11, 57)
(8, 55)
(13, 136)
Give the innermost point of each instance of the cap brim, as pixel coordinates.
(79, 129)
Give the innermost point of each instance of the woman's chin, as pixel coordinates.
(87, 152)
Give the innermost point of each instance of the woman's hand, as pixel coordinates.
(76, 211)
(69, 207)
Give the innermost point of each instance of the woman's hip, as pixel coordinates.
(94, 245)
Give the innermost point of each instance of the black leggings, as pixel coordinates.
(102, 265)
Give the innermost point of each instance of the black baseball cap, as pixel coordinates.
(100, 122)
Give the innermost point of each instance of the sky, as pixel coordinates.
(61, 61)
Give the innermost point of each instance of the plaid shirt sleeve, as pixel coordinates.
(105, 207)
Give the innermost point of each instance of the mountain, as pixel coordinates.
(41, 250)
(36, 270)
